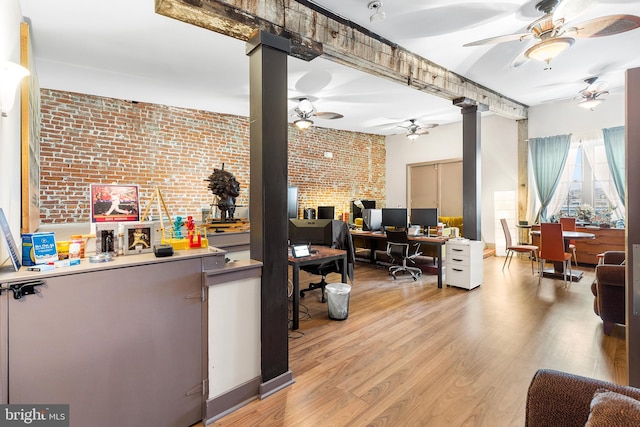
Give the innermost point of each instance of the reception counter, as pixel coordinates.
(139, 340)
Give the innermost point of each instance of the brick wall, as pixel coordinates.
(88, 139)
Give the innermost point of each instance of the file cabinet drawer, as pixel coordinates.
(456, 259)
(458, 276)
(458, 249)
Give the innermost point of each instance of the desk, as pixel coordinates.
(323, 255)
(558, 266)
(434, 241)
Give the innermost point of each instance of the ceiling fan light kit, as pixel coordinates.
(303, 124)
(413, 136)
(548, 49)
(590, 103)
(378, 15)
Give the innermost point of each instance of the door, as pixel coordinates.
(437, 185)
(423, 186)
(122, 347)
(451, 189)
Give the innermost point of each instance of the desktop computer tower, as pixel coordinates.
(357, 212)
(371, 219)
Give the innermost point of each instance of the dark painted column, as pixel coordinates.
(471, 167)
(632, 204)
(268, 198)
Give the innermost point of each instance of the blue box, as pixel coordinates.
(39, 248)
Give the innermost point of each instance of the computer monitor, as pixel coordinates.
(357, 210)
(426, 217)
(394, 217)
(311, 231)
(371, 219)
(326, 212)
(292, 202)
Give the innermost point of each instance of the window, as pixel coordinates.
(586, 180)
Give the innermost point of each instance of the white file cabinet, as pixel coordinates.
(464, 263)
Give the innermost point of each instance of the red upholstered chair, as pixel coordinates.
(552, 249)
(569, 224)
(532, 250)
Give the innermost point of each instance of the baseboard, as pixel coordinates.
(234, 399)
(276, 384)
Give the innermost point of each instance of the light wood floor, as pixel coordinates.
(411, 354)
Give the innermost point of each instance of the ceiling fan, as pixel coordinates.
(305, 110)
(590, 96)
(551, 35)
(415, 129)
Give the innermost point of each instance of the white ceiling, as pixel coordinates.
(123, 49)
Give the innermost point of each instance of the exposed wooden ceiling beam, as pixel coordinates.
(317, 32)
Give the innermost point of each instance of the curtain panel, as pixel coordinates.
(614, 148)
(548, 156)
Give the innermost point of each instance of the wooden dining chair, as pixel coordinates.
(532, 250)
(552, 249)
(569, 224)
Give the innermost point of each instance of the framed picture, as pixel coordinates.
(107, 238)
(114, 203)
(138, 238)
(30, 135)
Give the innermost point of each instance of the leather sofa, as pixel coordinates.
(560, 399)
(609, 290)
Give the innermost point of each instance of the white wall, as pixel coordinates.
(499, 168)
(10, 18)
(566, 117)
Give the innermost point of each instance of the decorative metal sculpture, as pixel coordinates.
(224, 185)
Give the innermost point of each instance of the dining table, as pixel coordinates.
(558, 266)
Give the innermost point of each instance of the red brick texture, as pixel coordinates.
(89, 139)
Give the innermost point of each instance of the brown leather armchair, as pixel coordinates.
(609, 291)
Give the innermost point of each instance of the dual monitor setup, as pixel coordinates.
(381, 219)
(319, 231)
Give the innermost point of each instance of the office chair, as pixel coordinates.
(341, 240)
(322, 270)
(398, 249)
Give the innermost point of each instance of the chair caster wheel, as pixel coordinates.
(301, 294)
(323, 300)
(415, 279)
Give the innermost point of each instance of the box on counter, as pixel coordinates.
(38, 248)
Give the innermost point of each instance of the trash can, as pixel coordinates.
(338, 300)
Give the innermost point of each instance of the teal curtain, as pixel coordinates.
(614, 148)
(548, 157)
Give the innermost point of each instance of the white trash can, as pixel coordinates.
(338, 300)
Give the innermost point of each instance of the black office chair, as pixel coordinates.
(399, 249)
(341, 240)
(322, 270)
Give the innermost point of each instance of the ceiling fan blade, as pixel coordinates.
(499, 39)
(597, 87)
(422, 131)
(519, 60)
(326, 115)
(605, 26)
(568, 9)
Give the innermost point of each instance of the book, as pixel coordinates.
(39, 248)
